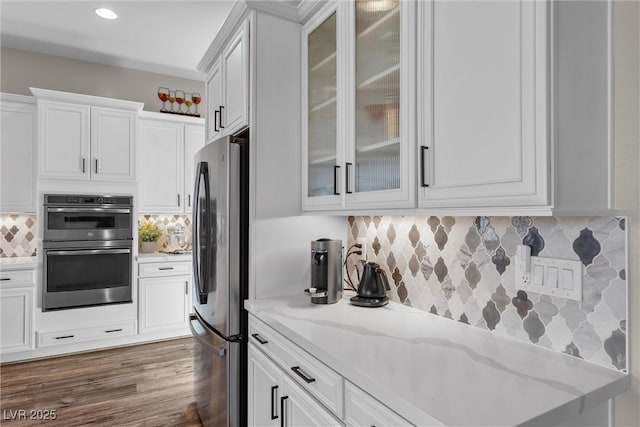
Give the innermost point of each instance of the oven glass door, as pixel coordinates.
(83, 277)
(71, 223)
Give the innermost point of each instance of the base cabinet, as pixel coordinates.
(164, 303)
(290, 387)
(16, 327)
(275, 399)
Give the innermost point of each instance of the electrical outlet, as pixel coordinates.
(363, 242)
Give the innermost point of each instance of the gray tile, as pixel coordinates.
(491, 315)
(533, 326)
(615, 346)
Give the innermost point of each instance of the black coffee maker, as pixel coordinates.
(373, 287)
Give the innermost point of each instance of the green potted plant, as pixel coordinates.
(148, 234)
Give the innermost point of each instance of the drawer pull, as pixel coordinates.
(113, 330)
(259, 339)
(302, 375)
(165, 268)
(274, 416)
(282, 402)
(5, 278)
(65, 337)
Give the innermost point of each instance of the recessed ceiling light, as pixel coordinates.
(106, 13)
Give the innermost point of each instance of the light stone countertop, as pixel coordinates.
(161, 257)
(19, 263)
(435, 371)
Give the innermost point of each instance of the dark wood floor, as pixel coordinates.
(143, 385)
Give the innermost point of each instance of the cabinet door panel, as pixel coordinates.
(112, 144)
(214, 101)
(164, 303)
(302, 410)
(321, 156)
(380, 135)
(235, 72)
(64, 140)
(481, 121)
(17, 154)
(193, 142)
(161, 164)
(265, 389)
(15, 320)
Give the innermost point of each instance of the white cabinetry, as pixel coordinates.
(275, 399)
(286, 381)
(85, 137)
(16, 310)
(166, 149)
(163, 297)
(17, 153)
(358, 137)
(506, 108)
(483, 104)
(228, 87)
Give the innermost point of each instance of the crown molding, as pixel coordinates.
(97, 101)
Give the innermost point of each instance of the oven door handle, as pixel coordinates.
(110, 210)
(90, 252)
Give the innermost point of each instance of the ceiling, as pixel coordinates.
(162, 36)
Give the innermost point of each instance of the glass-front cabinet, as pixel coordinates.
(320, 121)
(358, 123)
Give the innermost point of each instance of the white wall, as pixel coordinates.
(626, 38)
(21, 69)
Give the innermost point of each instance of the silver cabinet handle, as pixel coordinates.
(189, 200)
(186, 288)
(108, 210)
(83, 165)
(109, 331)
(165, 268)
(178, 200)
(96, 165)
(5, 278)
(90, 252)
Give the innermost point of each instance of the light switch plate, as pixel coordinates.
(552, 276)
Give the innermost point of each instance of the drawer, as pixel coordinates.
(18, 277)
(361, 409)
(312, 375)
(154, 269)
(46, 339)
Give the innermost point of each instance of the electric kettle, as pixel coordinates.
(373, 287)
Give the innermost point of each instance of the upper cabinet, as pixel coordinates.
(358, 139)
(460, 107)
(85, 137)
(17, 153)
(228, 87)
(482, 107)
(167, 145)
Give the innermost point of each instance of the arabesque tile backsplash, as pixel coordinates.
(18, 235)
(463, 268)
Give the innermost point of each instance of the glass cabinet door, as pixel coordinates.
(377, 95)
(381, 144)
(323, 168)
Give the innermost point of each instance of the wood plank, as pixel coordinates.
(142, 385)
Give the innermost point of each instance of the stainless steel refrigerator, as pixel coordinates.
(220, 270)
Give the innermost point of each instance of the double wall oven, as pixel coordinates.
(87, 250)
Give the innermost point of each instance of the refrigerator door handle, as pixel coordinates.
(205, 337)
(201, 281)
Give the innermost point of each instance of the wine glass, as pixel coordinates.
(180, 99)
(172, 99)
(163, 94)
(188, 101)
(196, 100)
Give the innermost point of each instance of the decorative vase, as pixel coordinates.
(147, 247)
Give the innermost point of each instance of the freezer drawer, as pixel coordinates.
(215, 376)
